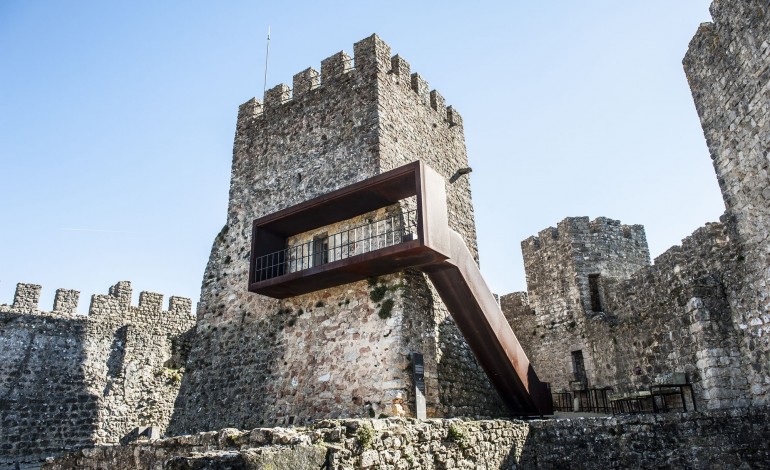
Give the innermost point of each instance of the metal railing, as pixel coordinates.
(562, 401)
(593, 400)
(371, 236)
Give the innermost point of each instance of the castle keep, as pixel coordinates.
(331, 353)
(331, 378)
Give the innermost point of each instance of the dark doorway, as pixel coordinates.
(578, 366)
(593, 291)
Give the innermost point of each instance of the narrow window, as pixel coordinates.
(320, 250)
(578, 366)
(593, 292)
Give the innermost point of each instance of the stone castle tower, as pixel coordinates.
(567, 268)
(338, 352)
(727, 68)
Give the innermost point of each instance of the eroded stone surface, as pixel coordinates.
(725, 439)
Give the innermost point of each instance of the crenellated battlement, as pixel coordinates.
(26, 299)
(118, 300)
(371, 61)
(574, 228)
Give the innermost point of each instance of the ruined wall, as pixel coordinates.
(69, 380)
(728, 68)
(727, 439)
(703, 307)
(337, 357)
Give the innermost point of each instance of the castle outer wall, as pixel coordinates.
(69, 381)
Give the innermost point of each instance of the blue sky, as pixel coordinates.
(117, 120)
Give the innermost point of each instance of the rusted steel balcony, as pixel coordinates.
(418, 238)
(398, 241)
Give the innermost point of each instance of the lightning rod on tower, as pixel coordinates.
(267, 56)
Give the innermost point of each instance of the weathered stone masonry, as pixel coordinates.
(69, 381)
(672, 316)
(728, 439)
(728, 67)
(331, 353)
(565, 268)
(702, 308)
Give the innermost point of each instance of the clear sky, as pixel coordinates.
(117, 121)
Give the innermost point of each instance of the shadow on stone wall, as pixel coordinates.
(228, 376)
(45, 406)
(734, 438)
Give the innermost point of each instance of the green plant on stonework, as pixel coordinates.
(456, 434)
(365, 436)
(385, 309)
(378, 293)
(170, 375)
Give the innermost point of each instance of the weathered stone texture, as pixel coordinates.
(673, 316)
(357, 122)
(728, 67)
(702, 309)
(728, 439)
(69, 380)
(551, 320)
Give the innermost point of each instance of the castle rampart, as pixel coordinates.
(597, 314)
(69, 380)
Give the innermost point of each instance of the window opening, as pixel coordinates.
(593, 292)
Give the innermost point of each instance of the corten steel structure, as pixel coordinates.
(434, 249)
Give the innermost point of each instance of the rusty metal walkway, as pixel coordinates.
(420, 239)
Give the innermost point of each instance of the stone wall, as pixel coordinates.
(673, 316)
(69, 380)
(360, 116)
(702, 308)
(728, 439)
(728, 67)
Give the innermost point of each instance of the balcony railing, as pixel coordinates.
(365, 238)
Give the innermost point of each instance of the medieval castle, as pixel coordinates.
(334, 377)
